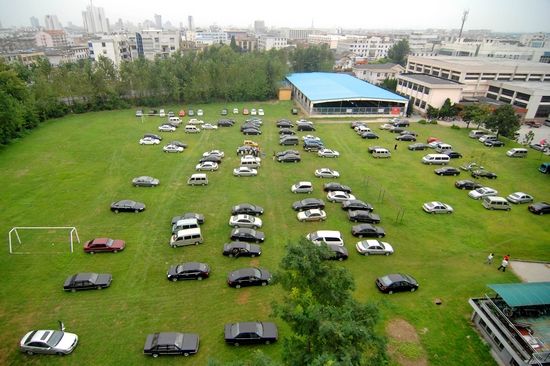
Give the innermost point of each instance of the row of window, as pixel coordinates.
(413, 67)
(409, 84)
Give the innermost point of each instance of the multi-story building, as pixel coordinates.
(154, 42)
(34, 22)
(26, 58)
(259, 27)
(533, 96)
(51, 38)
(116, 48)
(94, 20)
(51, 22)
(211, 38)
(59, 56)
(18, 42)
(296, 34)
(329, 39)
(267, 42)
(368, 48)
(427, 90)
(377, 73)
(494, 48)
(423, 44)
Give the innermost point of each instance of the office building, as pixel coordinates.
(51, 22)
(94, 20)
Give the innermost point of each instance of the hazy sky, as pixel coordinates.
(497, 15)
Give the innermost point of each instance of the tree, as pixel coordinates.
(312, 58)
(390, 84)
(410, 109)
(329, 325)
(398, 52)
(233, 44)
(432, 112)
(504, 120)
(447, 110)
(528, 138)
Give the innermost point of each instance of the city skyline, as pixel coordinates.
(498, 16)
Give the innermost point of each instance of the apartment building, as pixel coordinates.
(116, 48)
(494, 48)
(152, 42)
(377, 73)
(51, 38)
(427, 90)
(267, 42)
(368, 48)
(329, 39)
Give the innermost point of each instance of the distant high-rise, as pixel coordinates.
(51, 22)
(94, 20)
(35, 23)
(190, 23)
(158, 21)
(259, 26)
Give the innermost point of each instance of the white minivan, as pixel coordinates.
(381, 153)
(517, 152)
(326, 236)
(192, 129)
(250, 161)
(186, 237)
(496, 203)
(437, 159)
(476, 134)
(443, 148)
(199, 179)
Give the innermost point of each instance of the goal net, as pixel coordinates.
(42, 239)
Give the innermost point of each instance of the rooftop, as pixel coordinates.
(523, 294)
(476, 63)
(324, 86)
(386, 66)
(429, 79)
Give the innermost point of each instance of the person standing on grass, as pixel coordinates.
(490, 258)
(507, 258)
(503, 265)
(395, 147)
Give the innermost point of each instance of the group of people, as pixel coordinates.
(505, 261)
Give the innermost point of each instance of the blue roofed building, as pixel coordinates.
(334, 94)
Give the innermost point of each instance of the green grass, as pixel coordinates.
(68, 171)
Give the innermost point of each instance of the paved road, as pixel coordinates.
(531, 271)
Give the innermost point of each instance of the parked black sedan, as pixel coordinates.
(417, 146)
(308, 204)
(87, 281)
(189, 215)
(127, 206)
(539, 208)
(289, 158)
(248, 209)
(453, 155)
(482, 173)
(286, 131)
(248, 235)
(369, 135)
(252, 131)
(356, 205)
(337, 252)
(396, 282)
(251, 276)
(405, 138)
(240, 249)
(449, 170)
(363, 216)
(367, 230)
(212, 158)
(333, 186)
(188, 271)
(171, 343)
(284, 123)
(467, 184)
(250, 333)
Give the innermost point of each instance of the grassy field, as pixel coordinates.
(68, 171)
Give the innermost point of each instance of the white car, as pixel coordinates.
(218, 153)
(244, 171)
(479, 193)
(326, 173)
(302, 187)
(209, 126)
(260, 112)
(314, 214)
(149, 141)
(54, 342)
(328, 153)
(367, 247)
(339, 196)
(520, 197)
(235, 110)
(253, 112)
(247, 221)
(386, 126)
(200, 112)
(311, 137)
(437, 207)
(207, 166)
(172, 149)
(167, 128)
(194, 121)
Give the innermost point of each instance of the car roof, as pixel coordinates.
(193, 266)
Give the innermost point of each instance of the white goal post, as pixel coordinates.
(73, 233)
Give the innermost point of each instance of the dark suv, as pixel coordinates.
(305, 127)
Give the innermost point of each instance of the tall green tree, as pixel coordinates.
(311, 58)
(398, 52)
(447, 110)
(504, 120)
(329, 326)
(390, 84)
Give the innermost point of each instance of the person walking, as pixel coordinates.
(489, 259)
(503, 265)
(395, 147)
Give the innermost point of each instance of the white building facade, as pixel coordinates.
(115, 48)
(267, 42)
(95, 21)
(368, 48)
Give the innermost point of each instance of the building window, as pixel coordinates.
(491, 96)
(455, 77)
(423, 105)
(445, 75)
(426, 90)
(494, 89)
(507, 92)
(102, 44)
(535, 77)
(543, 111)
(520, 77)
(471, 76)
(545, 99)
(520, 104)
(523, 96)
(505, 100)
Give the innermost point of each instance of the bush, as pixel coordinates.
(455, 127)
(422, 122)
(432, 122)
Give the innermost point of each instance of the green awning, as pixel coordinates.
(523, 294)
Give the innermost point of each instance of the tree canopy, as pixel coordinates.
(504, 120)
(398, 52)
(329, 326)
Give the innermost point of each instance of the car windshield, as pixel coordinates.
(386, 280)
(55, 338)
(109, 242)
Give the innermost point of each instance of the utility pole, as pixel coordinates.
(464, 16)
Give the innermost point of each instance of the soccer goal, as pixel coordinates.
(41, 239)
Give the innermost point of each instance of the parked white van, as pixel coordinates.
(185, 224)
(496, 203)
(174, 121)
(362, 129)
(186, 237)
(381, 153)
(192, 129)
(250, 161)
(486, 138)
(442, 148)
(517, 152)
(476, 134)
(199, 179)
(326, 236)
(439, 159)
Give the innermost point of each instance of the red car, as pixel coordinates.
(104, 245)
(182, 113)
(432, 139)
(245, 111)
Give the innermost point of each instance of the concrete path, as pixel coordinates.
(531, 271)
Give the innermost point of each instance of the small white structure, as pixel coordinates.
(73, 233)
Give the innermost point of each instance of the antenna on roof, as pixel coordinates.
(464, 16)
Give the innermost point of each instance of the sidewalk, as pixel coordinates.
(531, 271)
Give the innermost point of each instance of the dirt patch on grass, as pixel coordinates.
(404, 344)
(254, 262)
(244, 296)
